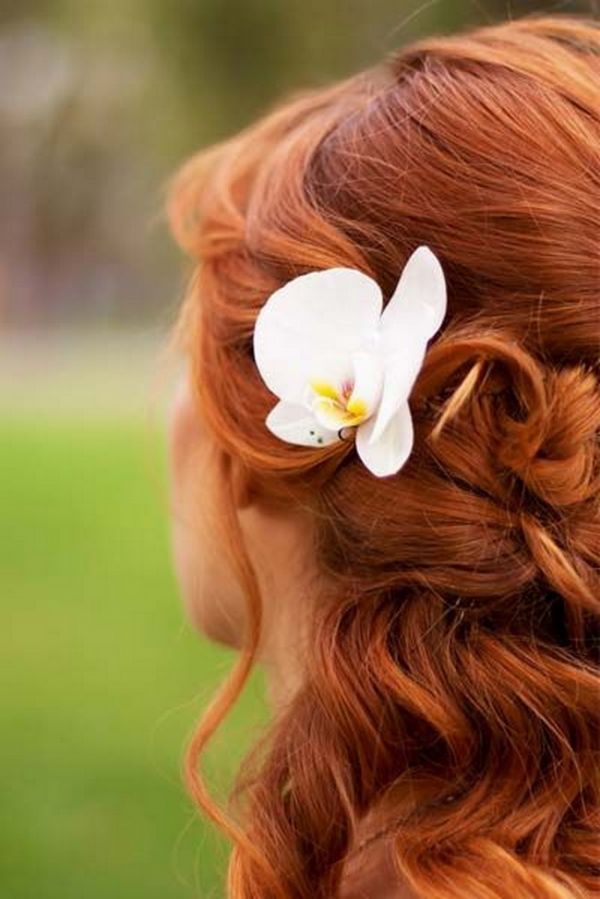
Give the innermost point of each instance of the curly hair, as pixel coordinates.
(453, 678)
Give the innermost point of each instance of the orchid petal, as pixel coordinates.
(400, 373)
(418, 305)
(294, 424)
(311, 326)
(386, 455)
(412, 316)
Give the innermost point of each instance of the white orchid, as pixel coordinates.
(324, 347)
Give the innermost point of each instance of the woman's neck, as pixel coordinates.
(371, 873)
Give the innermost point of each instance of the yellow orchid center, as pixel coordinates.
(338, 406)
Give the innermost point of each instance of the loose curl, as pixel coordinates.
(453, 674)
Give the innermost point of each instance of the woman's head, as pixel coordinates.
(450, 614)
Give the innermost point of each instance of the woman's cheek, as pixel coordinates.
(211, 595)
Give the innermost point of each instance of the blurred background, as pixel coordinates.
(102, 676)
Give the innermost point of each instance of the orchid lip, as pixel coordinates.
(336, 407)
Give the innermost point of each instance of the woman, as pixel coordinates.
(430, 635)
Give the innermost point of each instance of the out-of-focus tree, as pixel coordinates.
(102, 99)
(254, 51)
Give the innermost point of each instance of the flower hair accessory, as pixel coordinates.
(323, 345)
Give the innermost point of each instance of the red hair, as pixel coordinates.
(456, 680)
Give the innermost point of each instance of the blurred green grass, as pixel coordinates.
(103, 678)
